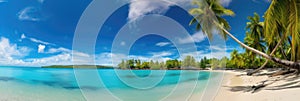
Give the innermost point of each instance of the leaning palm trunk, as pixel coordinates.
(274, 59)
(263, 66)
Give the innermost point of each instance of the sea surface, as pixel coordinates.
(50, 84)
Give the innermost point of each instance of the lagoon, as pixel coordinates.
(55, 84)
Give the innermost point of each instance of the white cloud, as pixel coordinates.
(197, 37)
(11, 53)
(60, 59)
(200, 54)
(23, 36)
(109, 59)
(82, 58)
(29, 14)
(123, 43)
(225, 2)
(161, 44)
(65, 58)
(2, 1)
(217, 48)
(112, 59)
(40, 41)
(220, 48)
(138, 8)
(161, 54)
(41, 1)
(210, 52)
(145, 58)
(41, 48)
(11, 50)
(78, 57)
(58, 50)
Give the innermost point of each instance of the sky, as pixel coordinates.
(41, 32)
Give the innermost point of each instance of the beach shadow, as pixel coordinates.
(239, 88)
(289, 85)
(290, 81)
(239, 75)
(263, 74)
(281, 88)
(293, 78)
(244, 89)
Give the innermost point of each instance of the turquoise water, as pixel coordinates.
(48, 84)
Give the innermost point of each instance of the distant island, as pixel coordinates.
(79, 66)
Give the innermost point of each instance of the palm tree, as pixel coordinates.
(206, 13)
(208, 17)
(131, 63)
(256, 30)
(255, 43)
(255, 27)
(138, 64)
(234, 57)
(282, 18)
(254, 36)
(123, 65)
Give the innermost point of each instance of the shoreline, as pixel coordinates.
(230, 86)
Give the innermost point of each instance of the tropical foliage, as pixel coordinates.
(134, 64)
(188, 61)
(278, 33)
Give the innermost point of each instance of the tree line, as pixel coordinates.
(188, 61)
(237, 61)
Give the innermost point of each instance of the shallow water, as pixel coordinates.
(47, 84)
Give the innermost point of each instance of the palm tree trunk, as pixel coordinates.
(263, 66)
(287, 63)
(283, 53)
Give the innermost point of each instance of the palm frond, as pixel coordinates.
(207, 13)
(293, 29)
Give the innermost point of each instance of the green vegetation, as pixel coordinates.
(189, 61)
(276, 39)
(175, 64)
(203, 62)
(135, 64)
(79, 66)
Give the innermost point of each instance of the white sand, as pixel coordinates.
(232, 80)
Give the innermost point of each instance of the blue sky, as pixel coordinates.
(40, 32)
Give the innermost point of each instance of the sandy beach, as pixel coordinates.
(235, 85)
